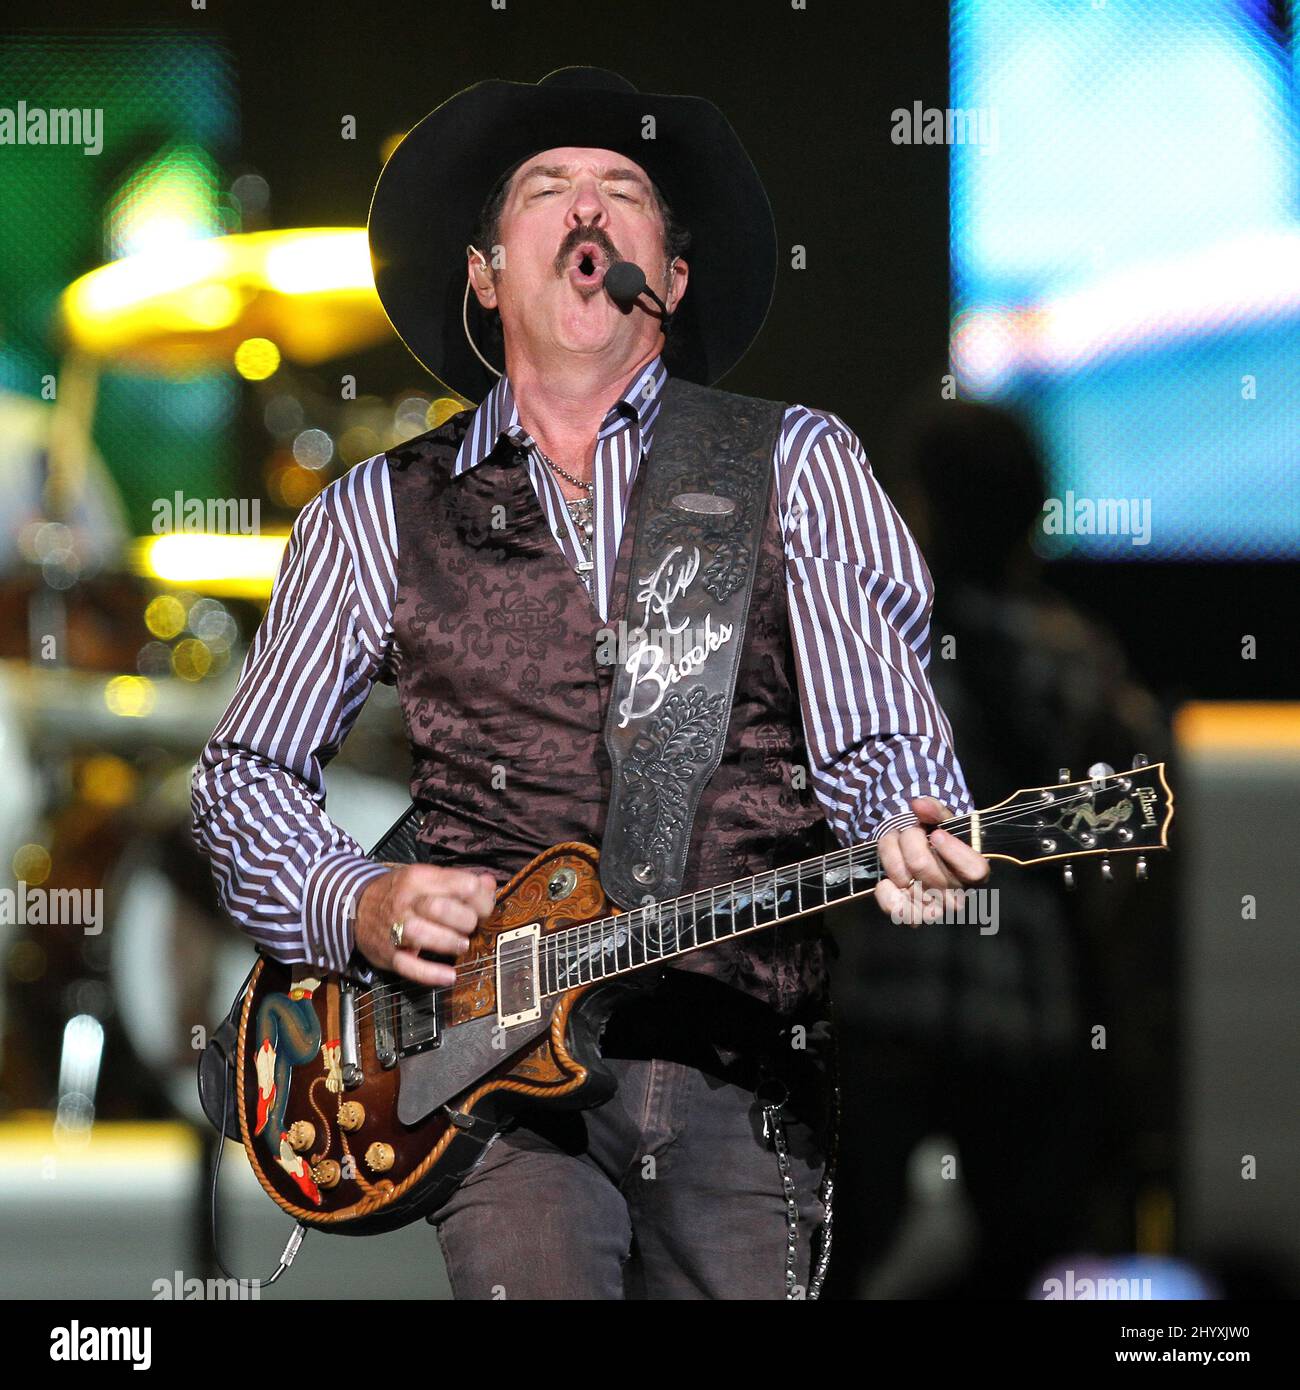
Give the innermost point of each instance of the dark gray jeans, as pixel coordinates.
(667, 1190)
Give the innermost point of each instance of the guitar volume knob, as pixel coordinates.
(302, 1135)
(326, 1173)
(352, 1115)
(380, 1157)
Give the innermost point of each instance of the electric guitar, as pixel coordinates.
(361, 1107)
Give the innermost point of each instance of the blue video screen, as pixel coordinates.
(1125, 195)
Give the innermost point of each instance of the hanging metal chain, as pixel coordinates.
(822, 1258)
(774, 1134)
(772, 1095)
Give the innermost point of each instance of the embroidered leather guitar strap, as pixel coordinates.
(704, 502)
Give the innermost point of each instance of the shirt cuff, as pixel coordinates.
(880, 820)
(896, 820)
(332, 888)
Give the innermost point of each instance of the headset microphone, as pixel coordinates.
(624, 281)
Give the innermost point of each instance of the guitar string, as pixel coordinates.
(550, 944)
(638, 919)
(367, 1002)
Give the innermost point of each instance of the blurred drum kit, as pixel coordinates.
(108, 1018)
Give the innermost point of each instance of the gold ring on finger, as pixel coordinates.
(395, 932)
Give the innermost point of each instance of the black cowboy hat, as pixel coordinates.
(434, 185)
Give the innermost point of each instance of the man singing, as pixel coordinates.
(484, 569)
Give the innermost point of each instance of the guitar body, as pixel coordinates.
(329, 1142)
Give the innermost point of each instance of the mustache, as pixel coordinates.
(596, 236)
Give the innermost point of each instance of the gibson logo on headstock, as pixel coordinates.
(1148, 799)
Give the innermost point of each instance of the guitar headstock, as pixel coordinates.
(1107, 813)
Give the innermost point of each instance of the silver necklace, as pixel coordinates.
(581, 511)
(589, 488)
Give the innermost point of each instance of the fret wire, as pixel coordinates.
(589, 939)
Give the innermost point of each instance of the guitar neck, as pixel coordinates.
(1107, 814)
(661, 931)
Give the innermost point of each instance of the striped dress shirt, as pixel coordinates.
(859, 602)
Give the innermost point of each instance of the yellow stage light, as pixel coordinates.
(257, 358)
(235, 566)
(31, 864)
(132, 697)
(191, 659)
(165, 616)
(107, 780)
(192, 304)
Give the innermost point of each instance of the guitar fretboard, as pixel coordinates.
(660, 931)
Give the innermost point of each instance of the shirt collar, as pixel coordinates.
(498, 416)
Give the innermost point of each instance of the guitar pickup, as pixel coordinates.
(519, 996)
(419, 1021)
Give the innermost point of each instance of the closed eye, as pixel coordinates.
(542, 193)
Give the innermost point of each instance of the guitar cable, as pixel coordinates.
(296, 1236)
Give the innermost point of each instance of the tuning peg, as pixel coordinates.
(1100, 771)
(1067, 875)
(1140, 869)
(1063, 775)
(1140, 760)
(1106, 871)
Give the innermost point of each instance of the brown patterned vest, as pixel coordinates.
(504, 696)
